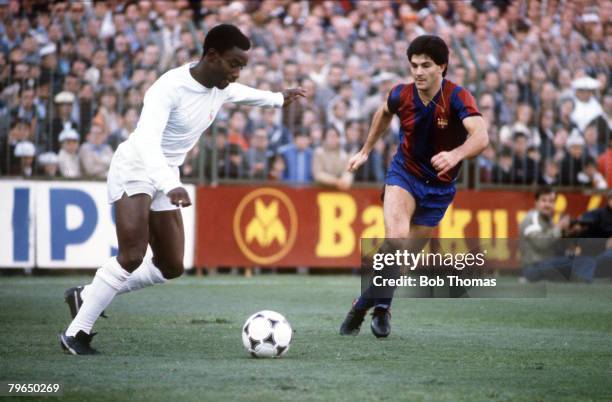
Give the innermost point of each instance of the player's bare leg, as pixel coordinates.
(398, 209)
(167, 240)
(132, 224)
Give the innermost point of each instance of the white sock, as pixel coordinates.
(147, 274)
(107, 282)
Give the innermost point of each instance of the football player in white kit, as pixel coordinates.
(144, 182)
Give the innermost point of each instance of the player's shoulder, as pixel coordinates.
(399, 95)
(170, 83)
(399, 87)
(454, 88)
(175, 75)
(395, 94)
(460, 98)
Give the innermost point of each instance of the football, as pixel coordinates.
(266, 334)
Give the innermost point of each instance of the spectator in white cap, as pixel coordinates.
(63, 118)
(48, 162)
(25, 151)
(68, 159)
(64, 97)
(573, 162)
(586, 106)
(48, 57)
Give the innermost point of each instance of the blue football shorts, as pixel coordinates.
(432, 200)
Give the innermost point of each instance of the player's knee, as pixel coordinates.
(130, 259)
(172, 269)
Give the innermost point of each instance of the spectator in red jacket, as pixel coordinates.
(604, 163)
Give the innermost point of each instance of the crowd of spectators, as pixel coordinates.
(73, 76)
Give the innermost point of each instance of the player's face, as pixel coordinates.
(229, 65)
(425, 72)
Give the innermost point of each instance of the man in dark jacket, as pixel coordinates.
(596, 227)
(545, 255)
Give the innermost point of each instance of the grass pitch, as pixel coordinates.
(181, 341)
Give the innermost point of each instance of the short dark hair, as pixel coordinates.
(543, 191)
(220, 130)
(225, 37)
(235, 149)
(506, 151)
(20, 121)
(432, 46)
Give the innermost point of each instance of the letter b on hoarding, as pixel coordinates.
(62, 235)
(337, 214)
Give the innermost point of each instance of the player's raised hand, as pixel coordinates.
(179, 197)
(357, 160)
(292, 94)
(444, 161)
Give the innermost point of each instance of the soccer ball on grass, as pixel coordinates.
(266, 334)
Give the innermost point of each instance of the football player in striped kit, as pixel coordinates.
(440, 126)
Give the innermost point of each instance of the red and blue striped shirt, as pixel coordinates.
(427, 130)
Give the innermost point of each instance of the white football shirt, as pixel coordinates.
(177, 110)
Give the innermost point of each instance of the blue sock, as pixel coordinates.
(371, 296)
(365, 301)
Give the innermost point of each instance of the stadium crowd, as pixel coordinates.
(73, 76)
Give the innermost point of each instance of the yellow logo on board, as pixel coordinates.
(265, 225)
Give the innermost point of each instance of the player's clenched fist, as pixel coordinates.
(179, 197)
(357, 160)
(444, 162)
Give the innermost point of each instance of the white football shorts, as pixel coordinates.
(127, 174)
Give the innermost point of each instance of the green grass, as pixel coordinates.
(181, 341)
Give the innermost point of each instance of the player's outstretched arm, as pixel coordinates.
(245, 95)
(380, 124)
(477, 140)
